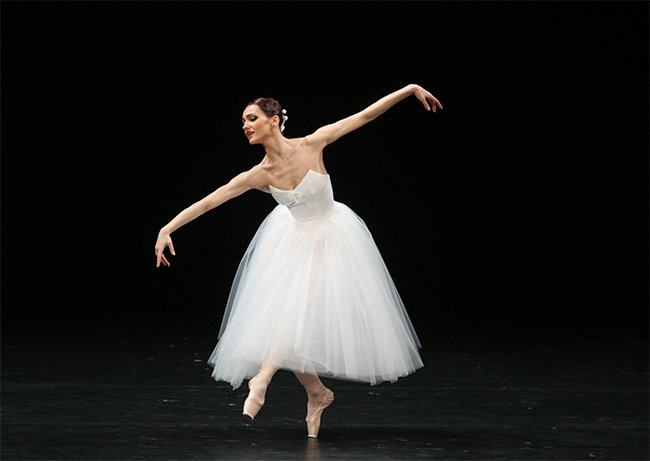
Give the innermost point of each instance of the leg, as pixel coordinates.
(319, 398)
(260, 382)
(315, 390)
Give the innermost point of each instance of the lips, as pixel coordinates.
(249, 134)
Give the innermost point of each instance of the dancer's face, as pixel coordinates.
(257, 126)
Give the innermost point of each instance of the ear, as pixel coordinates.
(275, 120)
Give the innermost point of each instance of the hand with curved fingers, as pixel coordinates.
(164, 241)
(424, 96)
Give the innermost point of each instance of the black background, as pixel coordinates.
(518, 212)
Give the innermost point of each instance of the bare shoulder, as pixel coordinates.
(316, 140)
(314, 145)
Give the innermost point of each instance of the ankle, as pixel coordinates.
(315, 389)
(260, 382)
(263, 376)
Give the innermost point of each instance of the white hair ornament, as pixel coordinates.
(285, 117)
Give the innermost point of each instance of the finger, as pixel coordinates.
(433, 104)
(164, 261)
(171, 248)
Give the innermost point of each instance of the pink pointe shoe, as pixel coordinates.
(253, 403)
(313, 421)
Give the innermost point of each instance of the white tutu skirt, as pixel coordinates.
(323, 303)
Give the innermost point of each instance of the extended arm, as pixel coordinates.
(237, 186)
(330, 133)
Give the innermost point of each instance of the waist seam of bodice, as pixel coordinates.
(300, 225)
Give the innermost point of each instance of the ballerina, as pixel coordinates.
(312, 293)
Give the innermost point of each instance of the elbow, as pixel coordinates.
(206, 206)
(200, 207)
(369, 116)
(208, 203)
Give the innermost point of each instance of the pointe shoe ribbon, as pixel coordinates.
(313, 421)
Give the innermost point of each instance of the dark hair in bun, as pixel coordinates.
(269, 106)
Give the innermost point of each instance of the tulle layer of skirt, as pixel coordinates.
(323, 303)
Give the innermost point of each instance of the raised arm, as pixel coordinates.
(247, 180)
(330, 133)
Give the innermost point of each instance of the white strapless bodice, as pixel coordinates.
(311, 204)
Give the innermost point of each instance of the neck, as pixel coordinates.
(276, 147)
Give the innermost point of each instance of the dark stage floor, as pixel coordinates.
(153, 399)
